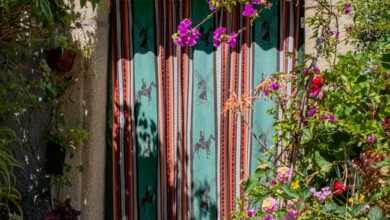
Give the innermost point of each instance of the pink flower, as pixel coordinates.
(186, 36)
(312, 111)
(347, 8)
(258, 2)
(249, 11)
(283, 174)
(274, 86)
(269, 205)
(371, 139)
(251, 213)
(232, 39)
(328, 117)
(269, 217)
(218, 35)
(292, 214)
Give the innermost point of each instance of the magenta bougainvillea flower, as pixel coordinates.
(371, 139)
(251, 213)
(269, 205)
(220, 36)
(232, 39)
(249, 10)
(186, 35)
(347, 8)
(311, 112)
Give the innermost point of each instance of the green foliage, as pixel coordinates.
(28, 30)
(334, 127)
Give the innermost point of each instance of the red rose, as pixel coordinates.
(317, 80)
(339, 188)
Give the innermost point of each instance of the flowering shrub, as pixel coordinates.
(331, 156)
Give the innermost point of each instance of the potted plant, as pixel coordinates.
(60, 59)
(55, 156)
(63, 211)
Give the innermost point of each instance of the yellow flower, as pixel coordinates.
(295, 185)
(350, 200)
(361, 198)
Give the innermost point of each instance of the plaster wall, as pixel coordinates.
(86, 103)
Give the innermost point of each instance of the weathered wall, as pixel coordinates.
(87, 103)
(311, 43)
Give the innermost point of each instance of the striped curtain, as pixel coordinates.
(175, 154)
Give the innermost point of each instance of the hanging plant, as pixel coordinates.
(60, 59)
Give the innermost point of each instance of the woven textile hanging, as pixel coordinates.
(175, 154)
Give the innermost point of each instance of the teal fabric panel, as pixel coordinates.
(203, 147)
(145, 107)
(265, 62)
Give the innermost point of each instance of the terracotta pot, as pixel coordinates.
(55, 158)
(60, 59)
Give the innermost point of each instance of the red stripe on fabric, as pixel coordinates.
(245, 91)
(232, 141)
(115, 127)
(126, 87)
(169, 109)
(224, 131)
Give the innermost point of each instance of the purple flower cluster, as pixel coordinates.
(321, 195)
(186, 35)
(249, 10)
(328, 117)
(220, 36)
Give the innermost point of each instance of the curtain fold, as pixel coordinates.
(175, 153)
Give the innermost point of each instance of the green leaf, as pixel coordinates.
(324, 165)
(375, 213)
(289, 192)
(386, 61)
